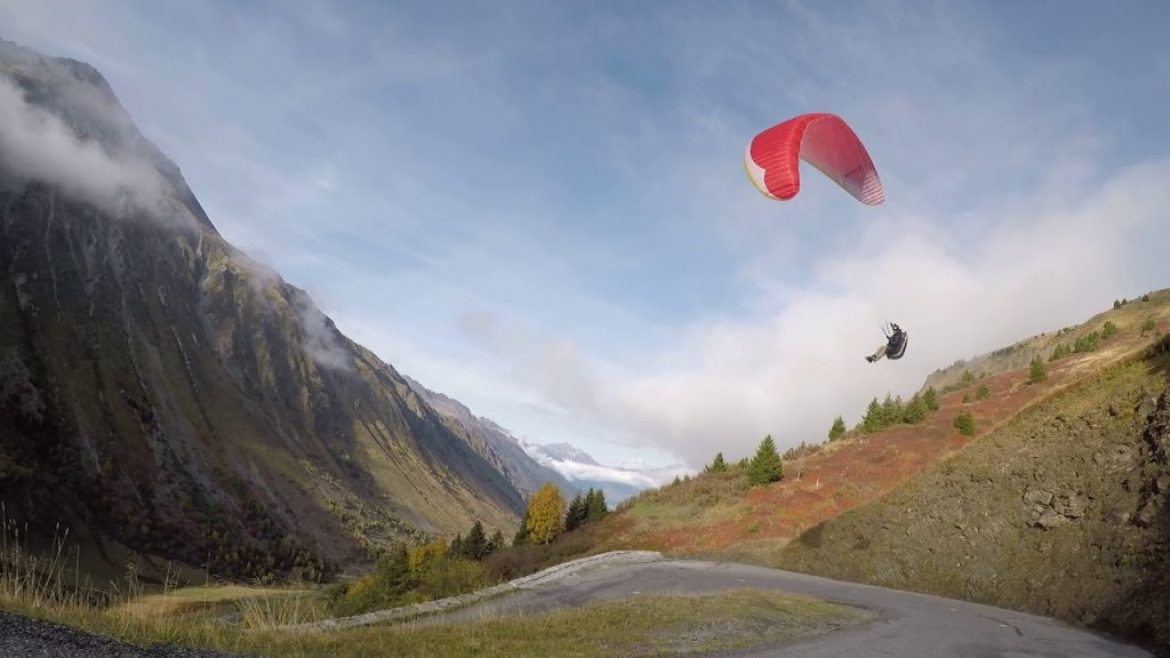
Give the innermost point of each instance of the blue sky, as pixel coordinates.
(539, 208)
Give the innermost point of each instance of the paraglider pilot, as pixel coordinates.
(895, 345)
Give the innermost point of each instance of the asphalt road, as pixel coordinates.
(908, 625)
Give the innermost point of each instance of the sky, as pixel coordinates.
(539, 208)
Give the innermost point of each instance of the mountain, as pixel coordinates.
(564, 452)
(495, 444)
(584, 472)
(163, 395)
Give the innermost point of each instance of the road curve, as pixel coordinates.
(908, 625)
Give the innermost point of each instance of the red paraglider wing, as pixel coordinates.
(824, 141)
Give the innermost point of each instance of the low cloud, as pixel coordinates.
(320, 337)
(36, 145)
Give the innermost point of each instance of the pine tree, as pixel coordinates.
(765, 467)
(575, 515)
(915, 411)
(475, 544)
(456, 547)
(545, 515)
(393, 570)
(872, 421)
(930, 399)
(837, 429)
(496, 542)
(717, 465)
(889, 412)
(597, 508)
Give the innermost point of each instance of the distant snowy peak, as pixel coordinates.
(566, 453)
(580, 467)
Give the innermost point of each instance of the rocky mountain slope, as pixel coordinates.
(494, 443)
(161, 393)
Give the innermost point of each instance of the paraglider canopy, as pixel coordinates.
(824, 141)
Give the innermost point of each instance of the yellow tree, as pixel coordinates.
(545, 515)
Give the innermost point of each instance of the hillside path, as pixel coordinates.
(908, 625)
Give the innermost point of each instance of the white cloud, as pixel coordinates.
(791, 372)
(38, 146)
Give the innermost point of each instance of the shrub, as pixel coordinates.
(982, 392)
(1116, 304)
(1108, 330)
(448, 576)
(1148, 326)
(1038, 372)
(1060, 352)
(966, 398)
(1146, 297)
(965, 423)
(1087, 343)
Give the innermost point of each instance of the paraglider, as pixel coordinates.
(895, 346)
(824, 141)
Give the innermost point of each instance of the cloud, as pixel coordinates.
(36, 145)
(790, 372)
(319, 337)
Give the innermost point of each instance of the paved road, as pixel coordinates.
(908, 625)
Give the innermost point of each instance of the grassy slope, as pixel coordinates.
(719, 515)
(968, 528)
(649, 625)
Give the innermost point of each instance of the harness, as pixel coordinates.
(896, 343)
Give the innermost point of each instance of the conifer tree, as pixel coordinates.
(872, 421)
(765, 467)
(837, 429)
(717, 465)
(496, 542)
(597, 508)
(575, 515)
(915, 410)
(930, 399)
(475, 544)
